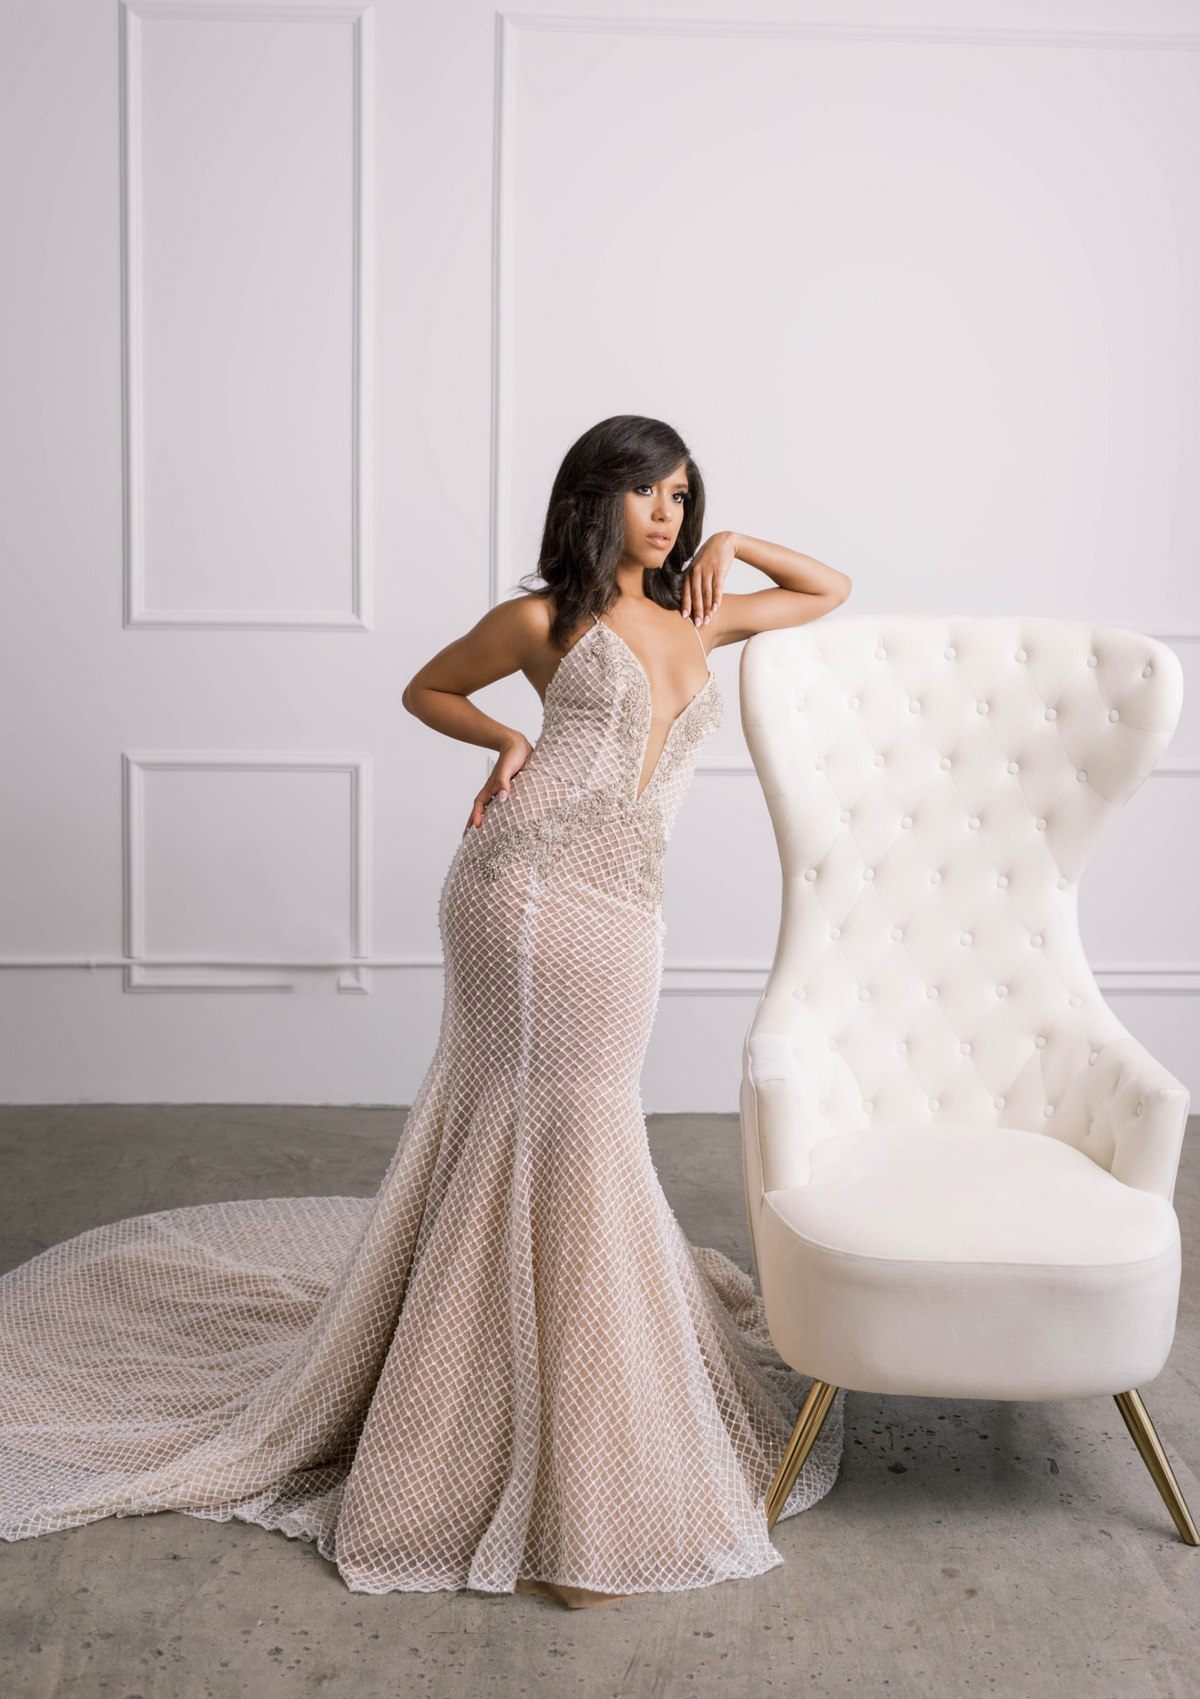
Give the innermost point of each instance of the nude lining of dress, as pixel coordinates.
(708, 683)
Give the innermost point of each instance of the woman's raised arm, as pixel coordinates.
(807, 588)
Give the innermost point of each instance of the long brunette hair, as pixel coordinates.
(584, 535)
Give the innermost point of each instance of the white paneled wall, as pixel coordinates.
(309, 298)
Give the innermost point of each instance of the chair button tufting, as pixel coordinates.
(868, 1107)
(1002, 991)
(905, 823)
(944, 763)
(964, 1049)
(902, 1048)
(982, 707)
(1052, 713)
(1093, 1058)
(881, 654)
(1113, 715)
(1002, 881)
(935, 878)
(1041, 825)
(800, 994)
(1076, 1001)
(1013, 768)
(973, 823)
(1048, 1110)
(844, 816)
(864, 995)
(935, 1103)
(950, 654)
(966, 938)
(819, 763)
(868, 873)
(1081, 776)
(931, 991)
(879, 760)
(835, 931)
(1036, 940)
(998, 1102)
(1093, 660)
(854, 701)
(1040, 1042)
(1140, 1107)
(811, 873)
(1062, 884)
(1020, 655)
(896, 934)
(914, 707)
(1147, 672)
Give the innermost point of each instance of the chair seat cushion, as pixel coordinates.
(968, 1261)
(972, 1194)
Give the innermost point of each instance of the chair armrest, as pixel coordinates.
(1139, 1111)
(785, 1110)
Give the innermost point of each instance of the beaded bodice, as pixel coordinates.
(573, 813)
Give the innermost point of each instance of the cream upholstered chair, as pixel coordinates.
(959, 1165)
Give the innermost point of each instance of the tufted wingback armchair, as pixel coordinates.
(959, 1165)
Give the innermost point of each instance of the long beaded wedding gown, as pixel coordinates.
(509, 1365)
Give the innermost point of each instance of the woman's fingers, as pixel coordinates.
(702, 595)
(499, 782)
(477, 808)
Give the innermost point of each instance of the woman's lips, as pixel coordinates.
(658, 540)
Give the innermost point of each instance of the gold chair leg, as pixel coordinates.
(804, 1436)
(1141, 1428)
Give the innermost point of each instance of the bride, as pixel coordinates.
(508, 1369)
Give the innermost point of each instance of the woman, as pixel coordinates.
(509, 1369)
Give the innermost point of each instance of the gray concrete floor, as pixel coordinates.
(967, 1549)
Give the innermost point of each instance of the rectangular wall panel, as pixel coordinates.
(923, 307)
(252, 859)
(246, 204)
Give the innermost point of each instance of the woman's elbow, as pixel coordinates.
(844, 588)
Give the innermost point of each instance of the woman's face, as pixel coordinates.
(653, 515)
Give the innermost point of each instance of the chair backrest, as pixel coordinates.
(936, 786)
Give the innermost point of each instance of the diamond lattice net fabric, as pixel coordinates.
(507, 1365)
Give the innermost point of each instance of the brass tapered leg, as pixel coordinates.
(1137, 1420)
(804, 1436)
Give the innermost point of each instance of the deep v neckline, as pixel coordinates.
(687, 707)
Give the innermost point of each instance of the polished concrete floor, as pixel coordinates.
(968, 1549)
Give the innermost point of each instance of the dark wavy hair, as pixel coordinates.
(584, 535)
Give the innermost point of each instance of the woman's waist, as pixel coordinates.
(597, 833)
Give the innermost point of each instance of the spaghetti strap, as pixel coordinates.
(699, 639)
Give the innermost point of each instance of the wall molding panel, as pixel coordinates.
(145, 971)
(135, 16)
(511, 25)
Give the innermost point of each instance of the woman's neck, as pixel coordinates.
(630, 581)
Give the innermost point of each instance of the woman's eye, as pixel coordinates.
(643, 490)
(681, 496)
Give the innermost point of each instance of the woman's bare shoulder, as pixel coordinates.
(528, 616)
